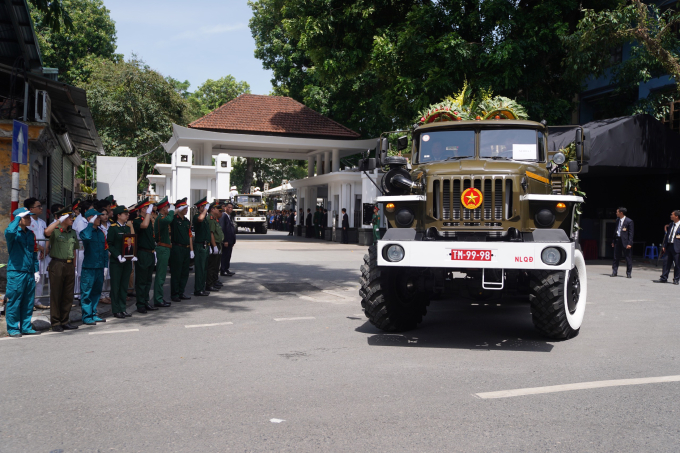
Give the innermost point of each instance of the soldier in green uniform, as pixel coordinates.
(119, 268)
(146, 256)
(182, 251)
(375, 221)
(95, 264)
(62, 268)
(166, 212)
(216, 239)
(201, 246)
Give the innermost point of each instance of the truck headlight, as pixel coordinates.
(394, 253)
(551, 256)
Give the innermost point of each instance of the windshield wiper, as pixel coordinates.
(456, 158)
(499, 158)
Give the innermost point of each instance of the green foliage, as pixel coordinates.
(212, 94)
(133, 107)
(71, 49)
(373, 64)
(53, 14)
(272, 171)
(571, 183)
(654, 53)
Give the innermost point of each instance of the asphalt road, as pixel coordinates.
(304, 371)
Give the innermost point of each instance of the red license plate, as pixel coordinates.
(471, 255)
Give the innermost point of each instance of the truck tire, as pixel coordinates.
(558, 300)
(263, 228)
(388, 301)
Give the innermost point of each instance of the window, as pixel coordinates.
(511, 144)
(248, 199)
(446, 145)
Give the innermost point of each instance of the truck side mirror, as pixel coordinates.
(383, 151)
(367, 164)
(402, 143)
(582, 144)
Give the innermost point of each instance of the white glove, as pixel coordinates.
(24, 214)
(92, 219)
(191, 254)
(210, 252)
(149, 209)
(106, 273)
(216, 251)
(37, 277)
(134, 258)
(171, 207)
(121, 259)
(206, 207)
(62, 218)
(75, 272)
(155, 258)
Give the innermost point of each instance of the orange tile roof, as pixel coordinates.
(271, 115)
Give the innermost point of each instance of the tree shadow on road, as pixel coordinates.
(497, 325)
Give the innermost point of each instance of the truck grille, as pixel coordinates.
(497, 192)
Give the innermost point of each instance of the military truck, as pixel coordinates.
(474, 212)
(250, 212)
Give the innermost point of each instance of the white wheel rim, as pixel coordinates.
(576, 318)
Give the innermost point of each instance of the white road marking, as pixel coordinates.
(29, 336)
(577, 386)
(294, 319)
(276, 420)
(360, 314)
(113, 331)
(209, 325)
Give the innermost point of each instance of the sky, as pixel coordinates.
(191, 40)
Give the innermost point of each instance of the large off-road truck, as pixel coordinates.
(474, 211)
(250, 211)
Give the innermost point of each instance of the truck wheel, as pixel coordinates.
(263, 229)
(390, 299)
(558, 299)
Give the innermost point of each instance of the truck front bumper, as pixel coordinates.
(250, 219)
(476, 255)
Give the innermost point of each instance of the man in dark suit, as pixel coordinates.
(671, 247)
(309, 228)
(345, 226)
(291, 222)
(623, 242)
(324, 223)
(229, 231)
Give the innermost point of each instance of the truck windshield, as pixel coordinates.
(247, 199)
(443, 145)
(515, 144)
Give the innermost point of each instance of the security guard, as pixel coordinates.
(376, 224)
(201, 244)
(161, 227)
(95, 264)
(182, 251)
(22, 274)
(146, 255)
(62, 268)
(119, 267)
(216, 239)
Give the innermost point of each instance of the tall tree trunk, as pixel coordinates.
(248, 178)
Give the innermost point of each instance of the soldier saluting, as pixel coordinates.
(201, 244)
(146, 256)
(119, 268)
(182, 251)
(166, 212)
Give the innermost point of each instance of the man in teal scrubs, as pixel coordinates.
(95, 260)
(22, 274)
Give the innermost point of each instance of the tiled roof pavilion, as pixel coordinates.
(271, 115)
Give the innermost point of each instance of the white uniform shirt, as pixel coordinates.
(79, 224)
(618, 231)
(38, 228)
(674, 231)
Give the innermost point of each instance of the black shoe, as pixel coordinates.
(15, 335)
(68, 327)
(629, 276)
(57, 329)
(223, 274)
(211, 289)
(230, 273)
(174, 299)
(150, 307)
(164, 304)
(613, 273)
(119, 315)
(126, 314)
(142, 310)
(183, 297)
(34, 332)
(675, 282)
(661, 280)
(218, 284)
(202, 293)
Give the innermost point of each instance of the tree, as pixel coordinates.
(92, 36)
(272, 171)
(53, 14)
(373, 64)
(654, 52)
(212, 94)
(133, 107)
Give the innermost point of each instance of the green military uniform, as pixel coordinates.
(180, 255)
(163, 246)
(146, 258)
(317, 223)
(215, 259)
(376, 227)
(62, 270)
(119, 272)
(201, 247)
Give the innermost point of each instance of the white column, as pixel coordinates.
(302, 204)
(207, 154)
(326, 162)
(223, 171)
(319, 157)
(184, 155)
(336, 160)
(173, 182)
(310, 167)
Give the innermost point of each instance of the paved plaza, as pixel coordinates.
(282, 359)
